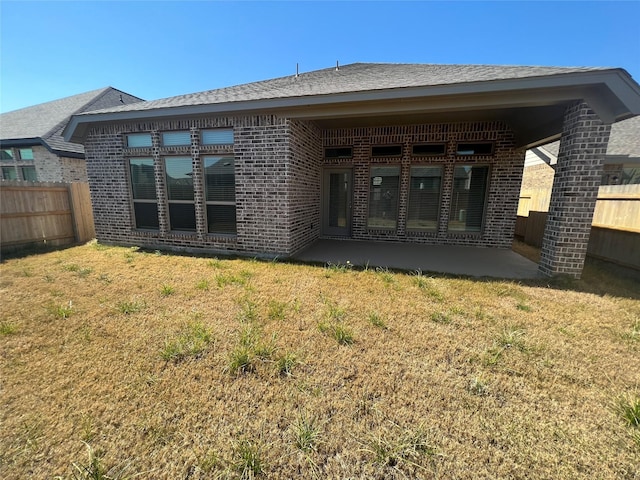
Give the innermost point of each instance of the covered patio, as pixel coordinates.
(449, 259)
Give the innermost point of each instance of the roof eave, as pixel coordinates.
(612, 93)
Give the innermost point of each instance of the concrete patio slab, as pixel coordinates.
(471, 261)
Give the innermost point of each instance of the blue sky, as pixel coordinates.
(156, 49)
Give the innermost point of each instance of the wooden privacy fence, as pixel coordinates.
(42, 214)
(615, 232)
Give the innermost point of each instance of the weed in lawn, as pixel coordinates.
(427, 285)
(628, 408)
(376, 320)
(387, 277)
(70, 267)
(49, 278)
(477, 386)
(98, 246)
(401, 449)
(247, 461)
(131, 306)
(342, 334)
(62, 311)
(84, 272)
(31, 435)
(336, 313)
(192, 341)
(224, 279)
(277, 310)
(96, 470)
(440, 317)
(524, 307)
(105, 278)
(8, 328)
(510, 337)
(248, 311)
(339, 267)
(166, 290)
(214, 263)
(87, 428)
(203, 284)
(286, 363)
(241, 360)
(306, 433)
(209, 462)
(633, 335)
(264, 351)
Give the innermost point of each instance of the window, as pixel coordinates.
(386, 151)
(29, 174)
(179, 178)
(220, 192)
(6, 154)
(424, 198)
(383, 196)
(338, 152)
(26, 153)
(138, 140)
(218, 136)
(143, 188)
(482, 148)
(174, 139)
(429, 149)
(9, 173)
(468, 198)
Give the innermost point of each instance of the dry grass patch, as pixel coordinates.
(243, 371)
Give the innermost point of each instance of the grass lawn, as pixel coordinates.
(120, 362)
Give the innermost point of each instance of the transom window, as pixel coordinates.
(384, 182)
(179, 181)
(220, 194)
(175, 139)
(143, 189)
(139, 140)
(424, 198)
(25, 153)
(217, 136)
(468, 198)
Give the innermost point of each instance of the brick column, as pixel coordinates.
(575, 189)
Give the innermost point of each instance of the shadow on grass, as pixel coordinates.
(598, 276)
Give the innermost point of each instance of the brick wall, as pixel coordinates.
(506, 164)
(278, 168)
(261, 154)
(304, 180)
(583, 146)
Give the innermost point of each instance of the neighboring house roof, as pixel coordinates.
(624, 141)
(532, 100)
(44, 123)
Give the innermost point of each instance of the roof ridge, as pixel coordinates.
(102, 91)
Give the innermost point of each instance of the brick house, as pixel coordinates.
(31, 143)
(429, 154)
(621, 164)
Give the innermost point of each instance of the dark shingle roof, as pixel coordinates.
(357, 77)
(624, 139)
(46, 121)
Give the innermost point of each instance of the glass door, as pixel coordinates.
(337, 198)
